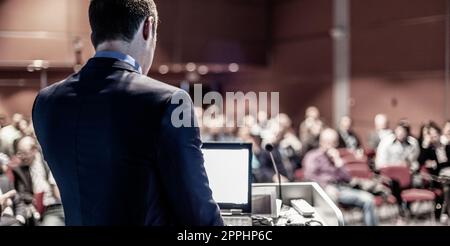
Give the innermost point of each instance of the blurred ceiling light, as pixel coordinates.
(233, 67)
(38, 65)
(203, 70)
(163, 69)
(190, 67)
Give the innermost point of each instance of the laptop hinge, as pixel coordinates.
(232, 212)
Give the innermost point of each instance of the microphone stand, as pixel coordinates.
(269, 148)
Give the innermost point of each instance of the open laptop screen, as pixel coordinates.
(228, 168)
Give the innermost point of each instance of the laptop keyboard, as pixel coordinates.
(237, 220)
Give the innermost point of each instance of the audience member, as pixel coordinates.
(2, 121)
(381, 130)
(445, 139)
(347, 137)
(399, 148)
(12, 208)
(324, 166)
(10, 133)
(32, 176)
(435, 155)
(310, 129)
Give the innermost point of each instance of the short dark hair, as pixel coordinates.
(406, 126)
(435, 126)
(119, 19)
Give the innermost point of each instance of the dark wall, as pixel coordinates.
(398, 61)
(300, 58)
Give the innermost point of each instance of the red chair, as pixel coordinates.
(299, 175)
(345, 152)
(10, 175)
(387, 208)
(39, 202)
(354, 160)
(402, 175)
(359, 171)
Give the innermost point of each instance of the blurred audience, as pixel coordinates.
(324, 166)
(29, 194)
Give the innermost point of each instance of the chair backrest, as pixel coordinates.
(345, 152)
(10, 175)
(39, 202)
(399, 173)
(359, 171)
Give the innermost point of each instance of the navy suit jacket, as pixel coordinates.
(107, 136)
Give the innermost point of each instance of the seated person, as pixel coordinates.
(435, 157)
(445, 139)
(8, 134)
(12, 208)
(286, 150)
(347, 137)
(381, 130)
(398, 149)
(32, 176)
(310, 129)
(324, 166)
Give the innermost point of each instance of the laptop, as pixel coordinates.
(228, 166)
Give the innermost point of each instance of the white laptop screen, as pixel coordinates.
(228, 174)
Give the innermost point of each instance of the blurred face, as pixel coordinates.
(16, 119)
(434, 136)
(284, 121)
(26, 150)
(401, 134)
(313, 113)
(381, 122)
(425, 131)
(346, 123)
(22, 125)
(328, 139)
(446, 130)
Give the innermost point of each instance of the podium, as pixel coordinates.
(326, 211)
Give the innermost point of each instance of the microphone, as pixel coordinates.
(269, 148)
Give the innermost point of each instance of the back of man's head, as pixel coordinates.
(328, 139)
(119, 19)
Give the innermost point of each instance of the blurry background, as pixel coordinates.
(355, 57)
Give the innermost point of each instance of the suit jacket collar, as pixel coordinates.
(103, 62)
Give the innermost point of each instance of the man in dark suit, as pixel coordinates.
(108, 134)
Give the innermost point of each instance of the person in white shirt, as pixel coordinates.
(382, 130)
(399, 148)
(9, 134)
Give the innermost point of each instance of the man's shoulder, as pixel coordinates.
(313, 155)
(141, 84)
(132, 84)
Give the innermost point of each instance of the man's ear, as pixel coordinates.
(148, 26)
